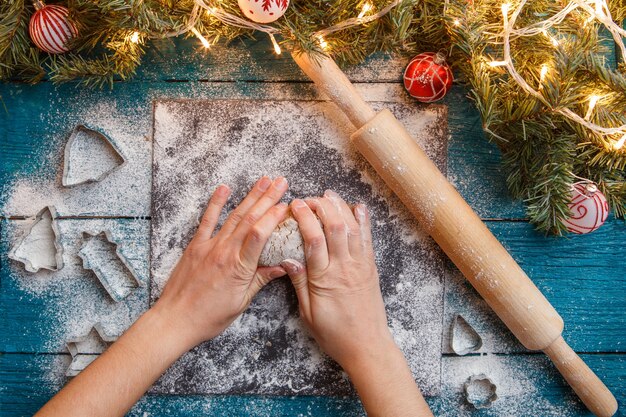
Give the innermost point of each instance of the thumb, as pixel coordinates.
(262, 277)
(297, 275)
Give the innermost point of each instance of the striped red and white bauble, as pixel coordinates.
(428, 77)
(50, 29)
(588, 209)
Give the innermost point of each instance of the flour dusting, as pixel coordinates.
(73, 300)
(199, 145)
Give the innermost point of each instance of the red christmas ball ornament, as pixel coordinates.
(588, 209)
(428, 77)
(50, 29)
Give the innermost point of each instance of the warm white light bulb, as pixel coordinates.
(366, 8)
(494, 64)
(620, 143)
(204, 41)
(593, 100)
(276, 45)
(322, 42)
(134, 38)
(544, 71)
(552, 39)
(457, 22)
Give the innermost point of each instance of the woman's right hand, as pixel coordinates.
(341, 303)
(338, 290)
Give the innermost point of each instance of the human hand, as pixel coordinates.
(338, 291)
(217, 276)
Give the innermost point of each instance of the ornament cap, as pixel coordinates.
(590, 189)
(440, 58)
(38, 4)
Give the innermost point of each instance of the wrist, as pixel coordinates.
(370, 355)
(174, 326)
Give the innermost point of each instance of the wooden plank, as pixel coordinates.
(41, 311)
(200, 144)
(255, 60)
(528, 386)
(34, 134)
(474, 164)
(582, 276)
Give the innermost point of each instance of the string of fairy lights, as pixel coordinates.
(597, 9)
(599, 12)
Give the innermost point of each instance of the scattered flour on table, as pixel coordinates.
(518, 380)
(124, 192)
(198, 145)
(72, 300)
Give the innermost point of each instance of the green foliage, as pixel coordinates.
(543, 151)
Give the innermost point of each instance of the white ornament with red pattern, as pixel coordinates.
(50, 29)
(588, 209)
(428, 77)
(263, 11)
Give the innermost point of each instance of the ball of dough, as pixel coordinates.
(285, 243)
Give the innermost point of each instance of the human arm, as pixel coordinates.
(212, 284)
(341, 303)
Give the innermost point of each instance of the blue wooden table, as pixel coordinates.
(583, 276)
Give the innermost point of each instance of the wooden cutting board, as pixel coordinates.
(199, 144)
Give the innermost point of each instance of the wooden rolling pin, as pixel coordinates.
(445, 215)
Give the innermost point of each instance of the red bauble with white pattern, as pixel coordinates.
(588, 209)
(427, 77)
(50, 29)
(263, 11)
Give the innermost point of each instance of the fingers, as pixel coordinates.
(315, 249)
(262, 277)
(297, 275)
(212, 213)
(261, 186)
(354, 231)
(362, 215)
(259, 234)
(267, 200)
(335, 228)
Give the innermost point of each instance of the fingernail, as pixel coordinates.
(291, 266)
(280, 183)
(264, 183)
(330, 193)
(298, 204)
(278, 273)
(222, 190)
(360, 211)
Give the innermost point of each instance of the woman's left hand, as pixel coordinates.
(217, 276)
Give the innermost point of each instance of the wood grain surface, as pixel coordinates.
(583, 276)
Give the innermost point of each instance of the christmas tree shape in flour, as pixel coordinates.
(101, 255)
(40, 247)
(89, 157)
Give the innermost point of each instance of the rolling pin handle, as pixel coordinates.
(589, 388)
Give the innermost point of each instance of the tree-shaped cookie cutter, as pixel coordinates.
(77, 172)
(86, 349)
(101, 254)
(34, 249)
